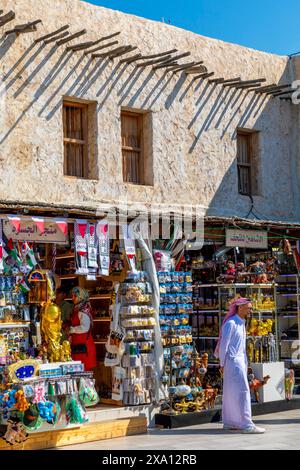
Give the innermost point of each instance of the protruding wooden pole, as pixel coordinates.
(232, 80)
(72, 36)
(55, 38)
(162, 66)
(7, 18)
(186, 66)
(50, 35)
(100, 48)
(114, 52)
(204, 75)
(271, 89)
(287, 92)
(196, 70)
(24, 28)
(131, 59)
(155, 61)
(245, 83)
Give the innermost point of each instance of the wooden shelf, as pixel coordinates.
(97, 297)
(101, 342)
(15, 325)
(68, 276)
(102, 319)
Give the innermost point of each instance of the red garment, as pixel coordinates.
(89, 359)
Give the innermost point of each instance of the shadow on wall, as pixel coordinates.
(212, 107)
(276, 168)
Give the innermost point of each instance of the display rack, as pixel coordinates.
(210, 307)
(288, 309)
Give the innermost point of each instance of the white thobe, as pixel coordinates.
(236, 410)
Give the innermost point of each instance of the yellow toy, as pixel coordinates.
(21, 402)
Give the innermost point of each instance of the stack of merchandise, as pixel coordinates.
(176, 305)
(138, 322)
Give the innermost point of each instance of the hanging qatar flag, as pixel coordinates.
(15, 222)
(81, 246)
(40, 223)
(1, 250)
(62, 225)
(104, 247)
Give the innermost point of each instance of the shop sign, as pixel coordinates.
(247, 238)
(30, 232)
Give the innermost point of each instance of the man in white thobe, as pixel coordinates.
(231, 350)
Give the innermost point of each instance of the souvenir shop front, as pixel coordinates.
(259, 262)
(79, 333)
(98, 331)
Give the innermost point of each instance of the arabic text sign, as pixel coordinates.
(246, 238)
(30, 232)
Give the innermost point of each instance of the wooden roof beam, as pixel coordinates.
(24, 28)
(55, 38)
(126, 51)
(270, 91)
(179, 56)
(155, 61)
(232, 80)
(113, 52)
(161, 66)
(193, 71)
(50, 35)
(203, 76)
(7, 18)
(246, 83)
(287, 92)
(100, 48)
(216, 80)
(72, 36)
(131, 59)
(186, 66)
(265, 88)
(161, 54)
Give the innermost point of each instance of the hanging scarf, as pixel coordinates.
(233, 310)
(81, 246)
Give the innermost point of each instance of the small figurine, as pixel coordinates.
(289, 383)
(256, 384)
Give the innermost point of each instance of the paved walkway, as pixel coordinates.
(283, 432)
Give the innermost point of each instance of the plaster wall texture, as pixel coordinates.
(193, 123)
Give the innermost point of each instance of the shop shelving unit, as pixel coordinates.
(288, 309)
(213, 313)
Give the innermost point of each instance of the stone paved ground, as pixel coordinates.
(283, 432)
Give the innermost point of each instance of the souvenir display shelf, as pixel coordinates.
(288, 309)
(175, 309)
(210, 308)
(137, 321)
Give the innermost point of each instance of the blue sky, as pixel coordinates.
(268, 25)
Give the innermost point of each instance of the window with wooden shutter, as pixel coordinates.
(244, 163)
(75, 121)
(132, 147)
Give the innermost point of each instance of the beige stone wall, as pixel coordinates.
(193, 123)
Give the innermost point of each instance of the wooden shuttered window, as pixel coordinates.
(75, 139)
(244, 163)
(132, 147)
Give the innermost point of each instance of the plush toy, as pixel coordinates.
(230, 272)
(256, 384)
(21, 402)
(15, 432)
(47, 411)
